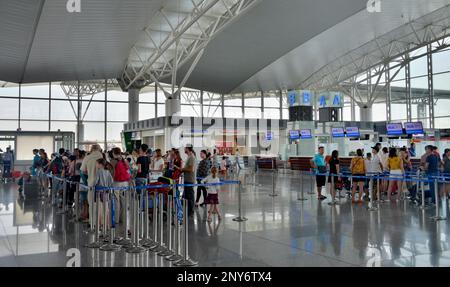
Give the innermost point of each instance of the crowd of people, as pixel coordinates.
(393, 164)
(141, 167)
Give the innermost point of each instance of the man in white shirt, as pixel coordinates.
(89, 167)
(376, 167)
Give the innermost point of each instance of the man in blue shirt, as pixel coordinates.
(36, 160)
(319, 165)
(432, 169)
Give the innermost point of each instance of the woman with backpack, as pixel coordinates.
(122, 178)
(358, 169)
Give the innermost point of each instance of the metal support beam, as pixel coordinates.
(430, 87)
(408, 90)
(388, 95)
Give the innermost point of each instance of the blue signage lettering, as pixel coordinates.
(306, 98)
(292, 98)
(337, 100)
(323, 101)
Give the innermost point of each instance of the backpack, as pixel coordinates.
(121, 172)
(57, 165)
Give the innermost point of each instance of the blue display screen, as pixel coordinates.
(269, 136)
(337, 132)
(294, 135)
(353, 132)
(394, 129)
(306, 134)
(414, 128)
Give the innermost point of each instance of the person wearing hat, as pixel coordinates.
(376, 168)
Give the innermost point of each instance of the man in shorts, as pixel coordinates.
(320, 168)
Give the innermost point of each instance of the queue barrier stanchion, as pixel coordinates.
(177, 252)
(146, 240)
(154, 243)
(371, 206)
(111, 246)
(135, 247)
(186, 261)
(437, 217)
(422, 188)
(104, 204)
(240, 218)
(126, 240)
(273, 194)
(97, 243)
(333, 197)
(77, 200)
(302, 197)
(169, 251)
(162, 246)
(378, 189)
(311, 191)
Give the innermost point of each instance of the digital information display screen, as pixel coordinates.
(353, 132)
(269, 136)
(294, 135)
(306, 134)
(337, 132)
(414, 128)
(394, 129)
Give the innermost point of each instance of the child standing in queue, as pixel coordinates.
(212, 198)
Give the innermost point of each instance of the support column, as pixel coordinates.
(365, 112)
(421, 111)
(133, 105)
(173, 104)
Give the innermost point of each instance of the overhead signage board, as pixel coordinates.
(414, 128)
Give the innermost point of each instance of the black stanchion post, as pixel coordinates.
(186, 261)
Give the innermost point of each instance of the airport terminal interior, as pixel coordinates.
(224, 133)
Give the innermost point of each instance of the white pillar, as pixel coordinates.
(133, 105)
(365, 112)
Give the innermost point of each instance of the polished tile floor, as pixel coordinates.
(280, 231)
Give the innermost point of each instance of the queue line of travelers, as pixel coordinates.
(396, 162)
(117, 169)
